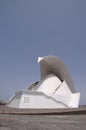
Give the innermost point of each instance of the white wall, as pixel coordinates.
(15, 101)
(75, 100)
(40, 101)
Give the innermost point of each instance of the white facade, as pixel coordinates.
(52, 91)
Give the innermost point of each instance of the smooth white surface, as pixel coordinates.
(48, 84)
(39, 59)
(75, 100)
(63, 89)
(40, 101)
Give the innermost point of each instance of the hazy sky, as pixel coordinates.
(33, 28)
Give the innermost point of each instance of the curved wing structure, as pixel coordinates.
(53, 65)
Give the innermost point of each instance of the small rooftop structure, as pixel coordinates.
(54, 90)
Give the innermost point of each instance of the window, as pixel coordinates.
(26, 99)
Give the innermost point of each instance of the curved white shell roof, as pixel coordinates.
(53, 65)
(49, 84)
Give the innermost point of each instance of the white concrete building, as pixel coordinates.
(54, 90)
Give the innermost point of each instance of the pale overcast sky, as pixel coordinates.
(33, 28)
